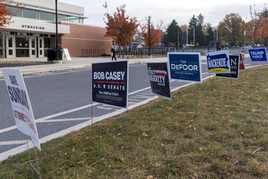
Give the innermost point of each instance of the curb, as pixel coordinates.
(26, 72)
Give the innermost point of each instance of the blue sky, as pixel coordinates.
(213, 10)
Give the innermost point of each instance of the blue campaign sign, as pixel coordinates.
(218, 62)
(258, 54)
(185, 66)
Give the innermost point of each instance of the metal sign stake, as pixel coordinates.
(32, 166)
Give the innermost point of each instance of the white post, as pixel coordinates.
(186, 34)
(193, 36)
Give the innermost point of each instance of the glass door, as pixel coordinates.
(10, 47)
(33, 47)
(1, 46)
(41, 47)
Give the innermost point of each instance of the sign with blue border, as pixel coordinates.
(185, 66)
(218, 62)
(258, 54)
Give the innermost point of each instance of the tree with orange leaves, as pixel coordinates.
(121, 28)
(263, 30)
(156, 33)
(257, 27)
(6, 13)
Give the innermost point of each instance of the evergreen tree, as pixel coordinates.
(192, 26)
(210, 37)
(171, 35)
(199, 34)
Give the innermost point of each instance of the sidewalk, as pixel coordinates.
(75, 63)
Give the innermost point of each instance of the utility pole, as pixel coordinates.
(178, 37)
(149, 43)
(193, 36)
(244, 37)
(57, 48)
(186, 34)
(217, 34)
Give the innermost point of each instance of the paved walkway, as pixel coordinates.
(75, 63)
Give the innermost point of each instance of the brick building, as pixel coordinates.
(33, 31)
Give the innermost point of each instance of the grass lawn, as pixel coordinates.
(217, 129)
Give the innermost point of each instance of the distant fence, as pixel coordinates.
(141, 52)
(92, 52)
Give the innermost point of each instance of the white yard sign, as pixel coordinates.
(21, 105)
(66, 52)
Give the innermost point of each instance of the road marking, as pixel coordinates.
(52, 116)
(64, 132)
(22, 148)
(84, 107)
(101, 107)
(65, 120)
(14, 142)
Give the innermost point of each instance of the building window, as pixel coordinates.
(22, 46)
(22, 42)
(81, 21)
(10, 44)
(1, 41)
(1, 45)
(73, 19)
(62, 18)
(15, 11)
(30, 14)
(47, 16)
(22, 53)
(49, 42)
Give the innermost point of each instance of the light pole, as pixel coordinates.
(186, 34)
(57, 48)
(244, 38)
(178, 38)
(193, 36)
(149, 43)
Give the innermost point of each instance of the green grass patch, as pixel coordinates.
(217, 129)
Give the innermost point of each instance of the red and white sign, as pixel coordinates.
(21, 105)
(66, 52)
(241, 62)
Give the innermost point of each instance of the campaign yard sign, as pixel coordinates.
(185, 66)
(66, 52)
(21, 105)
(159, 79)
(234, 64)
(258, 54)
(218, 62)
(110, 81)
